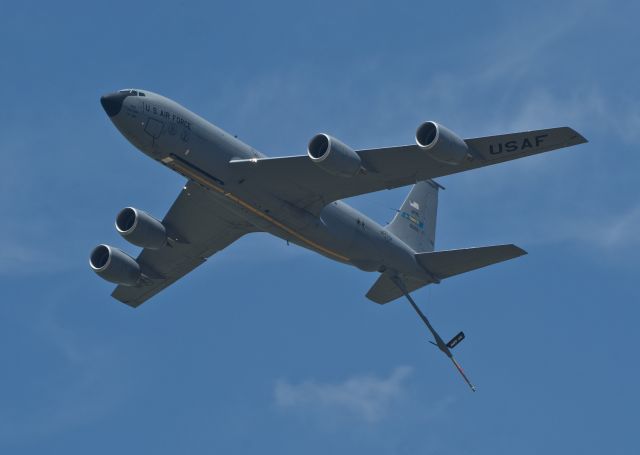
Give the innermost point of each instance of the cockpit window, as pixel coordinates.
(129, 91)
(141, 94)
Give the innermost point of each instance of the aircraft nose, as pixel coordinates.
(112, 102)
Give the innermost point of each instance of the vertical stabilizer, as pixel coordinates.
(415, 222)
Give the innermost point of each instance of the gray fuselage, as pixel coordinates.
(197, 149)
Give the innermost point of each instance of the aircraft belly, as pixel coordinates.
(366, 244)
(340, 233)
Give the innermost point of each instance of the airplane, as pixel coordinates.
(232, 190)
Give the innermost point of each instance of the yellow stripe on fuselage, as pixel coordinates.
(193, 174)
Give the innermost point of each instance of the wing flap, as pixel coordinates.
(136, 296)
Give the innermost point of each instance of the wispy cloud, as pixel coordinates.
(28, 194)
(377, 111)
(368, 398)
(584, 108)
(78, 386)
(623, 230)
(609, 233)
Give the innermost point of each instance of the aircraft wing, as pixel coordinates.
(299, 181)
(200, 227)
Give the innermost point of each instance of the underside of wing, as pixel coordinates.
(300, 181)
(199, 226)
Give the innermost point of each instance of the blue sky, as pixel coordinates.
(274, 349)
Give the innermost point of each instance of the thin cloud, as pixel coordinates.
(585, 108)
(611, 233)
(368, 398)
(28, 230)
(82, 388)
(623, 230)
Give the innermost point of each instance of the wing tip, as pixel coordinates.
(576, 138)
(515, 251)
(518, 251)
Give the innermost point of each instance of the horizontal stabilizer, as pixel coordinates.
(384, 290)
(444, 264)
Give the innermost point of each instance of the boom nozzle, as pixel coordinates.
(439, 342)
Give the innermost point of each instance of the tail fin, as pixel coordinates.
(415, 222)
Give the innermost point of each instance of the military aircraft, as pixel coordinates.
(233, 189)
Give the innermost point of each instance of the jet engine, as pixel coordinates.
(115, 265)
(141, 229)
(333, 156)
(441, 143)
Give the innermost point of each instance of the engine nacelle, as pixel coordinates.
(141, 229)
(115, 265)
(333, 156)
(441, 143)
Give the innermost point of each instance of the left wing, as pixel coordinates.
(299, 181)
(202, 227)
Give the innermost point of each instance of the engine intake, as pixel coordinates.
(333, 156)
(114, 265)
(141, 229)
(441, 143)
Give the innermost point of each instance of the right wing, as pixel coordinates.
(298, 180)
(202, 227)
